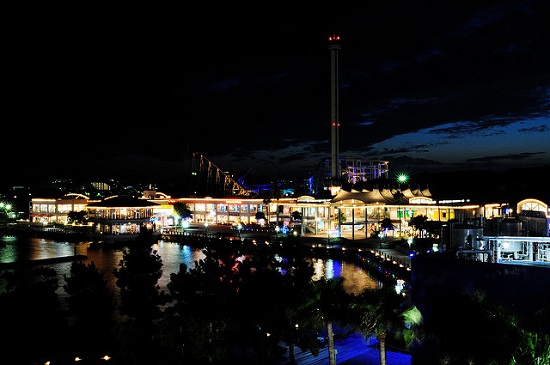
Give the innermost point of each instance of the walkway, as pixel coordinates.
(354, 350)
(371, 244)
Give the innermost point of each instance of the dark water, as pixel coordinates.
(13, 249)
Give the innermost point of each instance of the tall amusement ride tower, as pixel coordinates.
(334, 47)
(335, 170)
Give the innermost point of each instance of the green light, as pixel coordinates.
(402, 178)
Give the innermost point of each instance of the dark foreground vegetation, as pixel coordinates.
(232, 307)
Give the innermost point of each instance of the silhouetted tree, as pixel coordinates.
(259, 310)
(333, 305)
(182, 210)
(80, 217)
(296, 216)
(33, 321)
(384, 313)
(494, 336)
(386, 223)
(260, 215)
(418, 222)
(91, 305)
(140, 300)
(272, 294)
(203, 300)
(298, 323)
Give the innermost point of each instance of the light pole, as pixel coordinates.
(400, 216)
(401, 179)
(410, 241)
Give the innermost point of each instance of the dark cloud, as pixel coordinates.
(509, 157)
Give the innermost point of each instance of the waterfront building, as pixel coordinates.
(50, 211)
(121, 218)
(350, 214)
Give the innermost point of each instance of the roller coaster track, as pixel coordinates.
(212, 178)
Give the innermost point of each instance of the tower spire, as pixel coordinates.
(334, 47)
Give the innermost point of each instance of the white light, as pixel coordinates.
(399, 286)
(398, 289)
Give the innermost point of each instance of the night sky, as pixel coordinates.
(97, 91)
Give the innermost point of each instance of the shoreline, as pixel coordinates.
(54, 260)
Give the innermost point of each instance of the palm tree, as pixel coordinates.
(333, 304)
(419, 223)
(386, 224)
(299, 316)
(182, 209)
(384, 313)
(497, 338)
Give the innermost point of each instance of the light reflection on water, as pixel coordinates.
(32, 248)
(355, 279)
(106, 259)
